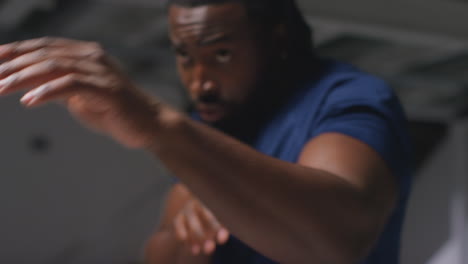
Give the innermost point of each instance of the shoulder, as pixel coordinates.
(338, 86)
(363, 106)
(343, 82)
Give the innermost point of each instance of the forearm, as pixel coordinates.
(284, 210)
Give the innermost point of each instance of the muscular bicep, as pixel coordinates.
(354, 162)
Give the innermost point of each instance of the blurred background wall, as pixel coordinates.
(70, 196)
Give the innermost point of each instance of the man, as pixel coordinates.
(289, 158)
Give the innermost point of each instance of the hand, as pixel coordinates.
(83, 77)
(199, 228)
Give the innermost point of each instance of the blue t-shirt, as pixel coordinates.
(344, 100)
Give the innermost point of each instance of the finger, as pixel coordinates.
(18, 48)
(180, 228)
(45, 71)
(194, 228)
(209, 219)
(63, 88)
(28, 59)
(222, 236)
(211, 225)
(209, 247)
(195, 225)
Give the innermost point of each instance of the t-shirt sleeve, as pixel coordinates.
(368, 110)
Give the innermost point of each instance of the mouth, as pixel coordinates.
(210, 112)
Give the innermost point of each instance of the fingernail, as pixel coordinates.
(31, 97)
(26, 98)
(34, 94)
(196, 249)
(4, 83)
(223, 235)
(3, 68)
(8, 79)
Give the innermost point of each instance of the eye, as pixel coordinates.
(223, 56)
(182, 55)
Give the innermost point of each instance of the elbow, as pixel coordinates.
(355, 241)
(344, 247)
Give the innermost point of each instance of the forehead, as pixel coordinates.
(205, 20)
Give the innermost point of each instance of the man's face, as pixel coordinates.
(218, 58)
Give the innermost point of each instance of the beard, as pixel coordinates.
(244, 120)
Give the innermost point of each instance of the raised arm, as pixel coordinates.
(330, 207)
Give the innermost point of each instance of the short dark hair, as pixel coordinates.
(271, 13)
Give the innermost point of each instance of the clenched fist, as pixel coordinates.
(83, 77)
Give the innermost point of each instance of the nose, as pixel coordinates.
(201, 84)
